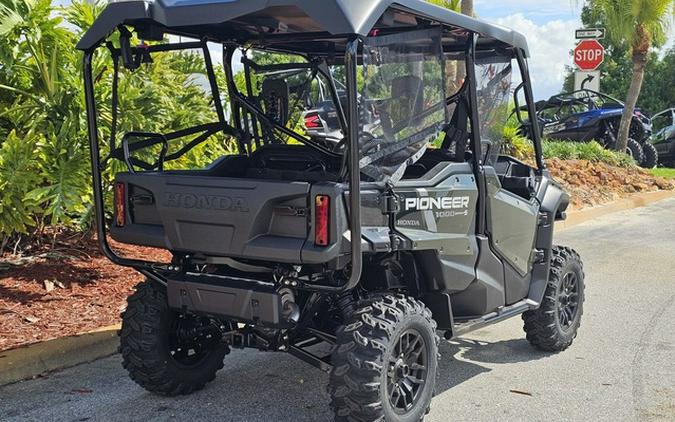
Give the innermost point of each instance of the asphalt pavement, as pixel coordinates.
(621, 366)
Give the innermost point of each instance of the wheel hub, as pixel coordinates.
(568, 300)
(401, 370)
(192, 339)
(407, 372)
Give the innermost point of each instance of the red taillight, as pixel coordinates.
(312, 121)
(322, 219)
(120, 204)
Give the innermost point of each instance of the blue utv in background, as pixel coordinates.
(587, 115)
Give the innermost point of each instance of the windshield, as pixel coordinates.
(661, 121)
(287, 99)
(401, 103)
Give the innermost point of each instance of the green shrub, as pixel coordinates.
(44, 154)
(515, 144)
(18, 176)
(591, 151)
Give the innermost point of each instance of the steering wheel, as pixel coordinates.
(370, 144)
(385, 120)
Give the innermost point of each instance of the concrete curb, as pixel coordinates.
(574, 218)
(36, 359)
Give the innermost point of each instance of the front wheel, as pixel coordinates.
(553, 326)
(651, 156)
(164, 351)
(384, 362)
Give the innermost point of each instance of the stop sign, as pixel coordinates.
(588, 55)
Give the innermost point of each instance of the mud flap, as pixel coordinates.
(441, 309)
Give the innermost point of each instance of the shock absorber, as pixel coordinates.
(346, 303)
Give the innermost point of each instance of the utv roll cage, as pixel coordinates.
(326, 32)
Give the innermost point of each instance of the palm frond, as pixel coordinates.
(12, 13)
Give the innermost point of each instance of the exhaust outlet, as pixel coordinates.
(289, 309)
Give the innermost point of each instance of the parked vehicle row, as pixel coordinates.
(586, 115)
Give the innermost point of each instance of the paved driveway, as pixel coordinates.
(621, 367)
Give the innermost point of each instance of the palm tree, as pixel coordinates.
(448, 4)
(467, 7)
(639, 24)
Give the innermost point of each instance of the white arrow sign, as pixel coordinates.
(590, 34)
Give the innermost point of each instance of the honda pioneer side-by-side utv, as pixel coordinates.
(363, 245)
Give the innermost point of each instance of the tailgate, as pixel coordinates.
(257, 219)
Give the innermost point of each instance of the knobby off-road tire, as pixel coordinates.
(386, 356)
(148, 325)
(651, 156)
(553, 326)
(634, 149)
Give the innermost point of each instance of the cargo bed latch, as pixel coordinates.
(291, 211)
(141, 199)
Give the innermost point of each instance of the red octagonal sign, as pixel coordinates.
(588, 55)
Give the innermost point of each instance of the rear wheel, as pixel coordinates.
(384, 362)
(166, 352)
(634, 149)
(553, 326)
(651, 156)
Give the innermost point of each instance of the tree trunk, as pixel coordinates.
(467, 7)
(640, 53)
(3, 244)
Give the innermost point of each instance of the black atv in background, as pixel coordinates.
(586, 115)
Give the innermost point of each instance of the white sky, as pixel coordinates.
(549, 27)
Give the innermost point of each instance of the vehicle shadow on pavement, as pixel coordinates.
(461, 358)
(504, 351)
(293, 391)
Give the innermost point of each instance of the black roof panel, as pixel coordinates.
(337, 17)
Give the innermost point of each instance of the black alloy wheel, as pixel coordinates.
(407, 372)
(568, 300)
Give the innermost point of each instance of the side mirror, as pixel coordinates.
(126, 50)
(132, 58)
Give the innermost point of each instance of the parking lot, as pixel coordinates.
(621, 367)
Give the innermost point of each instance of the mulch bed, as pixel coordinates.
(71, 288)
(64, 291)
(590, 184)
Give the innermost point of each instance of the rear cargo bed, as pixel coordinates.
(221, 216)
